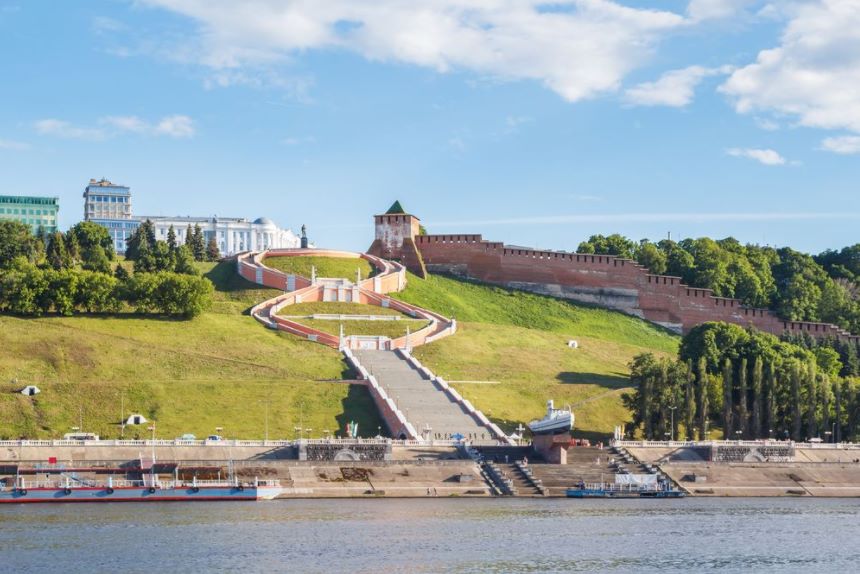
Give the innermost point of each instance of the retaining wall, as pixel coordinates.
(603, 280)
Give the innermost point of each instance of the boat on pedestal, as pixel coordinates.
(556, 421)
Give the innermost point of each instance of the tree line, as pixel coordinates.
(795, 285)
(72, 272)
(737, 383)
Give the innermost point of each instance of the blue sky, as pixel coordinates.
(534, 123)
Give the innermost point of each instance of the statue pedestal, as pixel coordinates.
(552, 448)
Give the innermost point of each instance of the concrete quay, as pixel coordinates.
(820, 470)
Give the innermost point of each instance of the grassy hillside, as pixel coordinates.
(325, 266)
(188, 376)
(217, 370)
(510, 354)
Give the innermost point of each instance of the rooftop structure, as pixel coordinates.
(37, 212)
(109, 205)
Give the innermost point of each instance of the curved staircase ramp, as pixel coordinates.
(391, 277)
(408, 396)
(424, 402)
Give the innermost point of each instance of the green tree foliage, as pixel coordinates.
(171, 238)
(141, 240)
(751, 382)
(16, 240)
(169, 294)
(89, 237)
(212, 251)
(795, 285)
(56, 253)
(198, 244)
(614, 244)
(650, 256)
(184, 261)
(661, 386)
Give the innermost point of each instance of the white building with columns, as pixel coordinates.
(232, 234)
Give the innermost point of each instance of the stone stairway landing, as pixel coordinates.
(421, 401)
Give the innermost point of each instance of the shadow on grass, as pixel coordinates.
(609, 381)
(358, 407)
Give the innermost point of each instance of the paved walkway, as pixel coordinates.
(420, 400)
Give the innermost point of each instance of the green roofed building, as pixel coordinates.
(37, 212)
(396, 209)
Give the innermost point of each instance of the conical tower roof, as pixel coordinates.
(396, 209)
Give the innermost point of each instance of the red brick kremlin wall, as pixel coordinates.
(604, 280)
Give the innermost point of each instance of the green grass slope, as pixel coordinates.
(325, 266)
(510, 353)
(217, 370)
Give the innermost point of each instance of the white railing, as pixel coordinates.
(751, 443)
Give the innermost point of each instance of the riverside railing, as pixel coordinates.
(753, 443)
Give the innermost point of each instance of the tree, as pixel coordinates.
(141, 239)
(702, 385)
(184, 261)
(689, 407)
(727, 399)
(771, 399)
(198, 245)
(795, 403)
(88, 236)
(743, 392)
(16, 240)
(22, 286)
(120, 273)
(212, 251)
(651, 257)
(95, 259)
(59, 292)
(97, 292)
(614, 244)
(812, 400)
(757, 384)
(56, 252)
(171, 238)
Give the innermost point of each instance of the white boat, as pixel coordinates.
(556, 421)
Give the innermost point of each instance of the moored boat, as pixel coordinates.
(26, 491)
(556, 421)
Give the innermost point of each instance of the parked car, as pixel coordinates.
(187, 436)
(214, 437)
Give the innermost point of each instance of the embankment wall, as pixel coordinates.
(604, 280)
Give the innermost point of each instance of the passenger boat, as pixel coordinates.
(84, 485)
(556, 421)
(608, 490)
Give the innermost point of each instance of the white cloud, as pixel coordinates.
(579, 52)
(64, 129)
(13, 145)
(814, 73)
(675, 88)
(763, 156)
(176, 126)
(844, 145)
(766, 124)
(126, 123)
(715, 9)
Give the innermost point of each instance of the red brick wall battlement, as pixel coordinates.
(604, 280)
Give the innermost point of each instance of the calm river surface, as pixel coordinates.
(493, 535)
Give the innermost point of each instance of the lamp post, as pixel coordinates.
(738, 433)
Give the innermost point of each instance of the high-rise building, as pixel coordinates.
(37, 212)
(109, 205)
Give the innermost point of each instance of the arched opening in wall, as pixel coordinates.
(402, 436)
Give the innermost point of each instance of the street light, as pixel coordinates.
(738, 433)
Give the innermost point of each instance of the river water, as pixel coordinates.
(435, 535)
